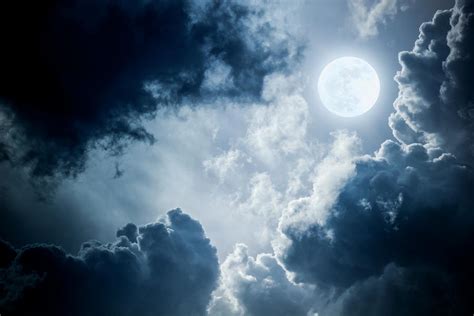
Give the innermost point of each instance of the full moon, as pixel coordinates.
(348, 86)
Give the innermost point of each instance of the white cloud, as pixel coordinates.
(217, 77)
(225, 164)
(331, 174)
(265, 203)
(278, 130)
(367, 17)
(258, 286)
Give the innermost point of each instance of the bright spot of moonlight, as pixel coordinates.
(348, 86)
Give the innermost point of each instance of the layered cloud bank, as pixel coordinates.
(164, 268)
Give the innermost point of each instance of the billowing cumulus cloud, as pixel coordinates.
(406, 206)
(258, 286)
(79, 74)
(164, 268)
(435, 100)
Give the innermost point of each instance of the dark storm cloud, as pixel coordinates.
(170, 270)
(398, 239)
(76, 74)
(435, 102)
(407, 207)
(130, 231)
(398, 291)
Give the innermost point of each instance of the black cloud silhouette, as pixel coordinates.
(79, 73)
(397, 291)
(170, 270)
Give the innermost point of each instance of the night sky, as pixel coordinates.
(171, 158)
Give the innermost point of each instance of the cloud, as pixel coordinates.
(397, 291)
(171, 269)
(278, 130)
(396, 232)
(383, 205)
(217, 77)
(435, 100)
(406, 206)
(330, 175)
(85, 74)
(225, 164)
(258, 286)
(205, 159)
(367, 16)
(379, 234)
(263, 202)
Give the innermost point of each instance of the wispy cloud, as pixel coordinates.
(367, 15)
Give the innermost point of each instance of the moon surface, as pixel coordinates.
(348, 86)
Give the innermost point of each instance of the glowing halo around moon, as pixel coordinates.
(348, 86)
